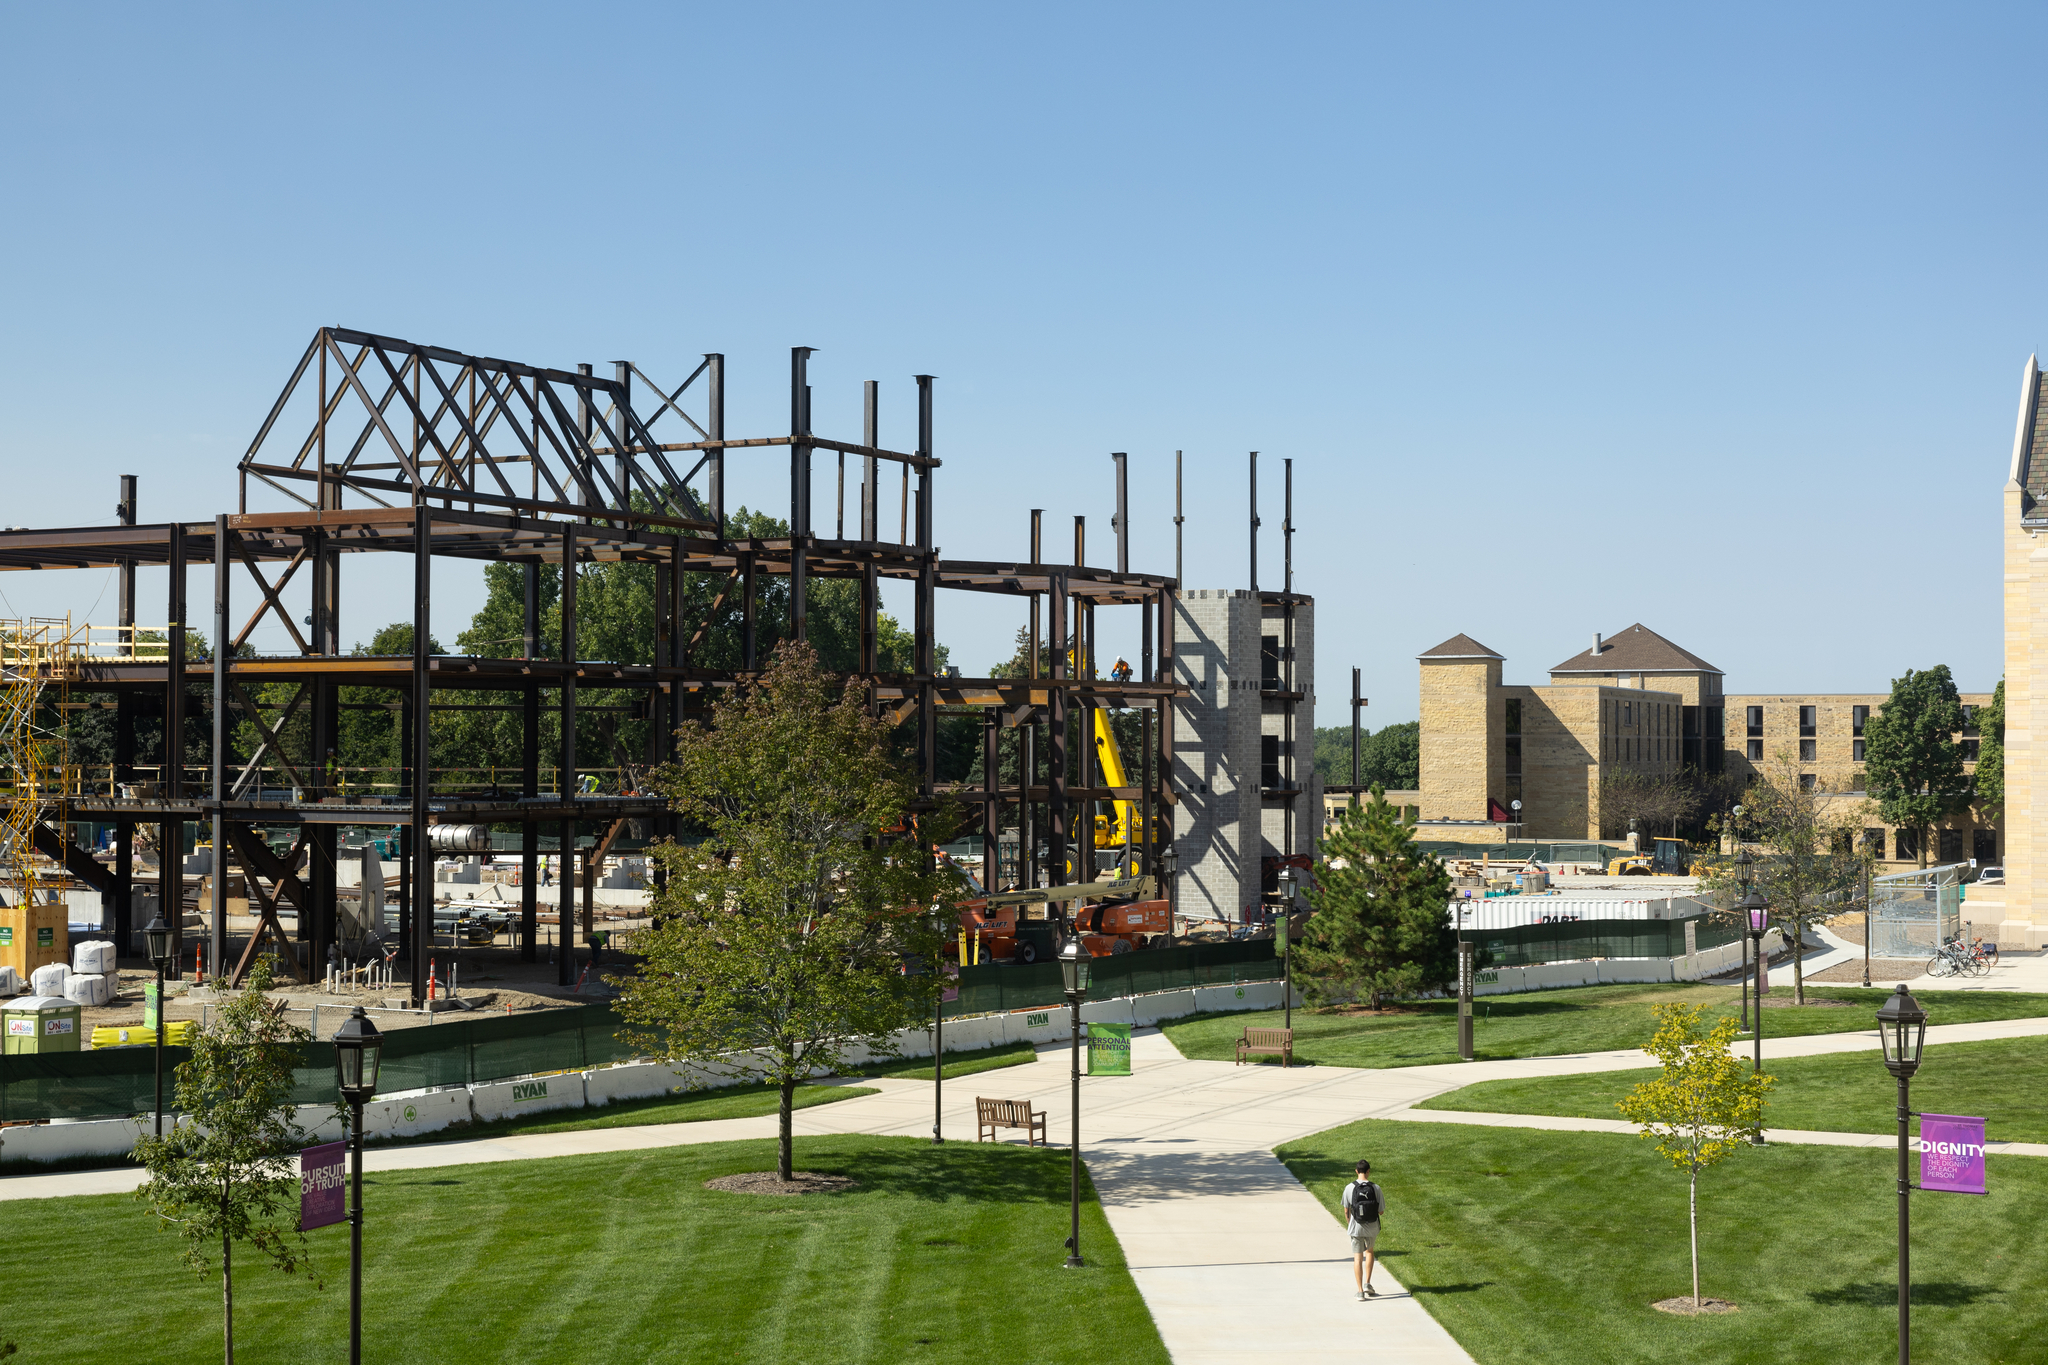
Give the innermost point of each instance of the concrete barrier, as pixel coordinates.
(506, 1099)
(1116, 1011)
(1151, 1009)
(58, 1141)
(1035, 1026)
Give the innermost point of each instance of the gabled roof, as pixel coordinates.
(1459, 647)
(1638, 649)
(2030, 440)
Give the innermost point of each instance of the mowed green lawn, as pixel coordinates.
(727, 1102)
(2004, 1081)
(1546, 1248)
(1559, 1023)
(943, 1254)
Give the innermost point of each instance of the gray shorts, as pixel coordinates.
(1364, 1239)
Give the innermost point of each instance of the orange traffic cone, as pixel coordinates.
(433, 979)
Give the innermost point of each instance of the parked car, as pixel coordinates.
(1992, 876)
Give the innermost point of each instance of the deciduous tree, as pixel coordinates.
(1913, 761)
(805, 923)
(1702, 1108)
(228, 1172)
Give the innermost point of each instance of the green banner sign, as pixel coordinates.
(149, 1004)
(1109, 1049)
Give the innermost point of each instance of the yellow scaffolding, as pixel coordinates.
(38, 658)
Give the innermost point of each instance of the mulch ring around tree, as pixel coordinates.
(804, 1182)
(1817, 1003)
(1683, 1306)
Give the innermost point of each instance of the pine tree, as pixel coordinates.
(1380, 926)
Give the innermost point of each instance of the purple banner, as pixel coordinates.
(323, 1175)
(1952, 1154)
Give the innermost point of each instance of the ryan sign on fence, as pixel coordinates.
(322, 1171)
(1952, 1153)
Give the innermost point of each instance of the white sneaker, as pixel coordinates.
(1370, 1292)
(1361, 1296)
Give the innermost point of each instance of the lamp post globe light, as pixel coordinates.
(358, 1050)
(1902, 1028)
(1074, 964)
(1516, 806)
(157, 937)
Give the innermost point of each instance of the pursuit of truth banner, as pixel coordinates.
(322, 1176)
(1952, 1153)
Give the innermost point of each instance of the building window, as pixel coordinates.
(1269, 662)
(1984, 846)
(1873, 839)
(1856, 752)
(1858, 717)
(1806, 782)
(1970, 750)
(1756, 751)
(1514, 755)
(1859, 780)
(1951, 845)
(1906, 845)
(1514, 720)
(1969, 720)
(1806, 750)
(1269, 761)
(1809, 721)
(1628, 714)
(1756, 721)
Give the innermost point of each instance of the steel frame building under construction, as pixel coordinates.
(378, 445)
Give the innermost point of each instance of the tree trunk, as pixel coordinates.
(227, 1296)
(783, 1169)
(1693, 1200)
(1798, 961)
(1922, 832)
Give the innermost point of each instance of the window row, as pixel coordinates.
(1948, 845)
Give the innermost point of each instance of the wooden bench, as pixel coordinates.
(993, 1114)
(1278, 1042)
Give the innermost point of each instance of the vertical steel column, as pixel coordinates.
(1178, 519)
(123, 907)
(422, 898)
(991, 799)
(317, 926)
(1169, 609)
(714, 429)
(1121, 522)
(217, 903)
(1255, 524)
(750, 622)
(171, 848)
(927, 597)
(529, 774)
(799, 492)
(1356, 704)
(565, 934)
(1056, 747)
(871, 437)
(1084, 667)
(1148, 803)
(622, 460)
(586, 423)
(1291, 815)
(1027, 817)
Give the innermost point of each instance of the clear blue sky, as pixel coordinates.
(1569, 317)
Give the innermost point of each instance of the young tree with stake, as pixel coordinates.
(806, 922)
(1704, 1106)
(231, 1172)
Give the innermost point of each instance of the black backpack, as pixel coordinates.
(1365, 1203)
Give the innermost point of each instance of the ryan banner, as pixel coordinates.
(1952, 1154)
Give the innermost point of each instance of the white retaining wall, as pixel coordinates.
(410, 1113)
(1550, 976)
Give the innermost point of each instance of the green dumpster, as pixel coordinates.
(41, 1023)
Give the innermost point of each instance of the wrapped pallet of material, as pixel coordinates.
(95, 957)
(11, 982)
(48, 980)
(87, 988)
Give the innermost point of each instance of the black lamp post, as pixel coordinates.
(1074, 964)
(1756, 911)
(1290, 886)
(157, 937)
(358, 1047)
(939, 1036)
(1902, 1027)
(1745, 872)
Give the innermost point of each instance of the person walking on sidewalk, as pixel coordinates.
(1364, 1205)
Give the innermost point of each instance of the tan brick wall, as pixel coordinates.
(1461, 725)
(2026, 603)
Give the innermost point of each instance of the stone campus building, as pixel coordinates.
(1637, 702)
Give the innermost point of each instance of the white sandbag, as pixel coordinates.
(94, 957)
(48, 979)
(89, 988)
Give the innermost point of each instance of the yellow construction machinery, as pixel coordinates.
(1125, 824)
(1666, 858)
(37, 658)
